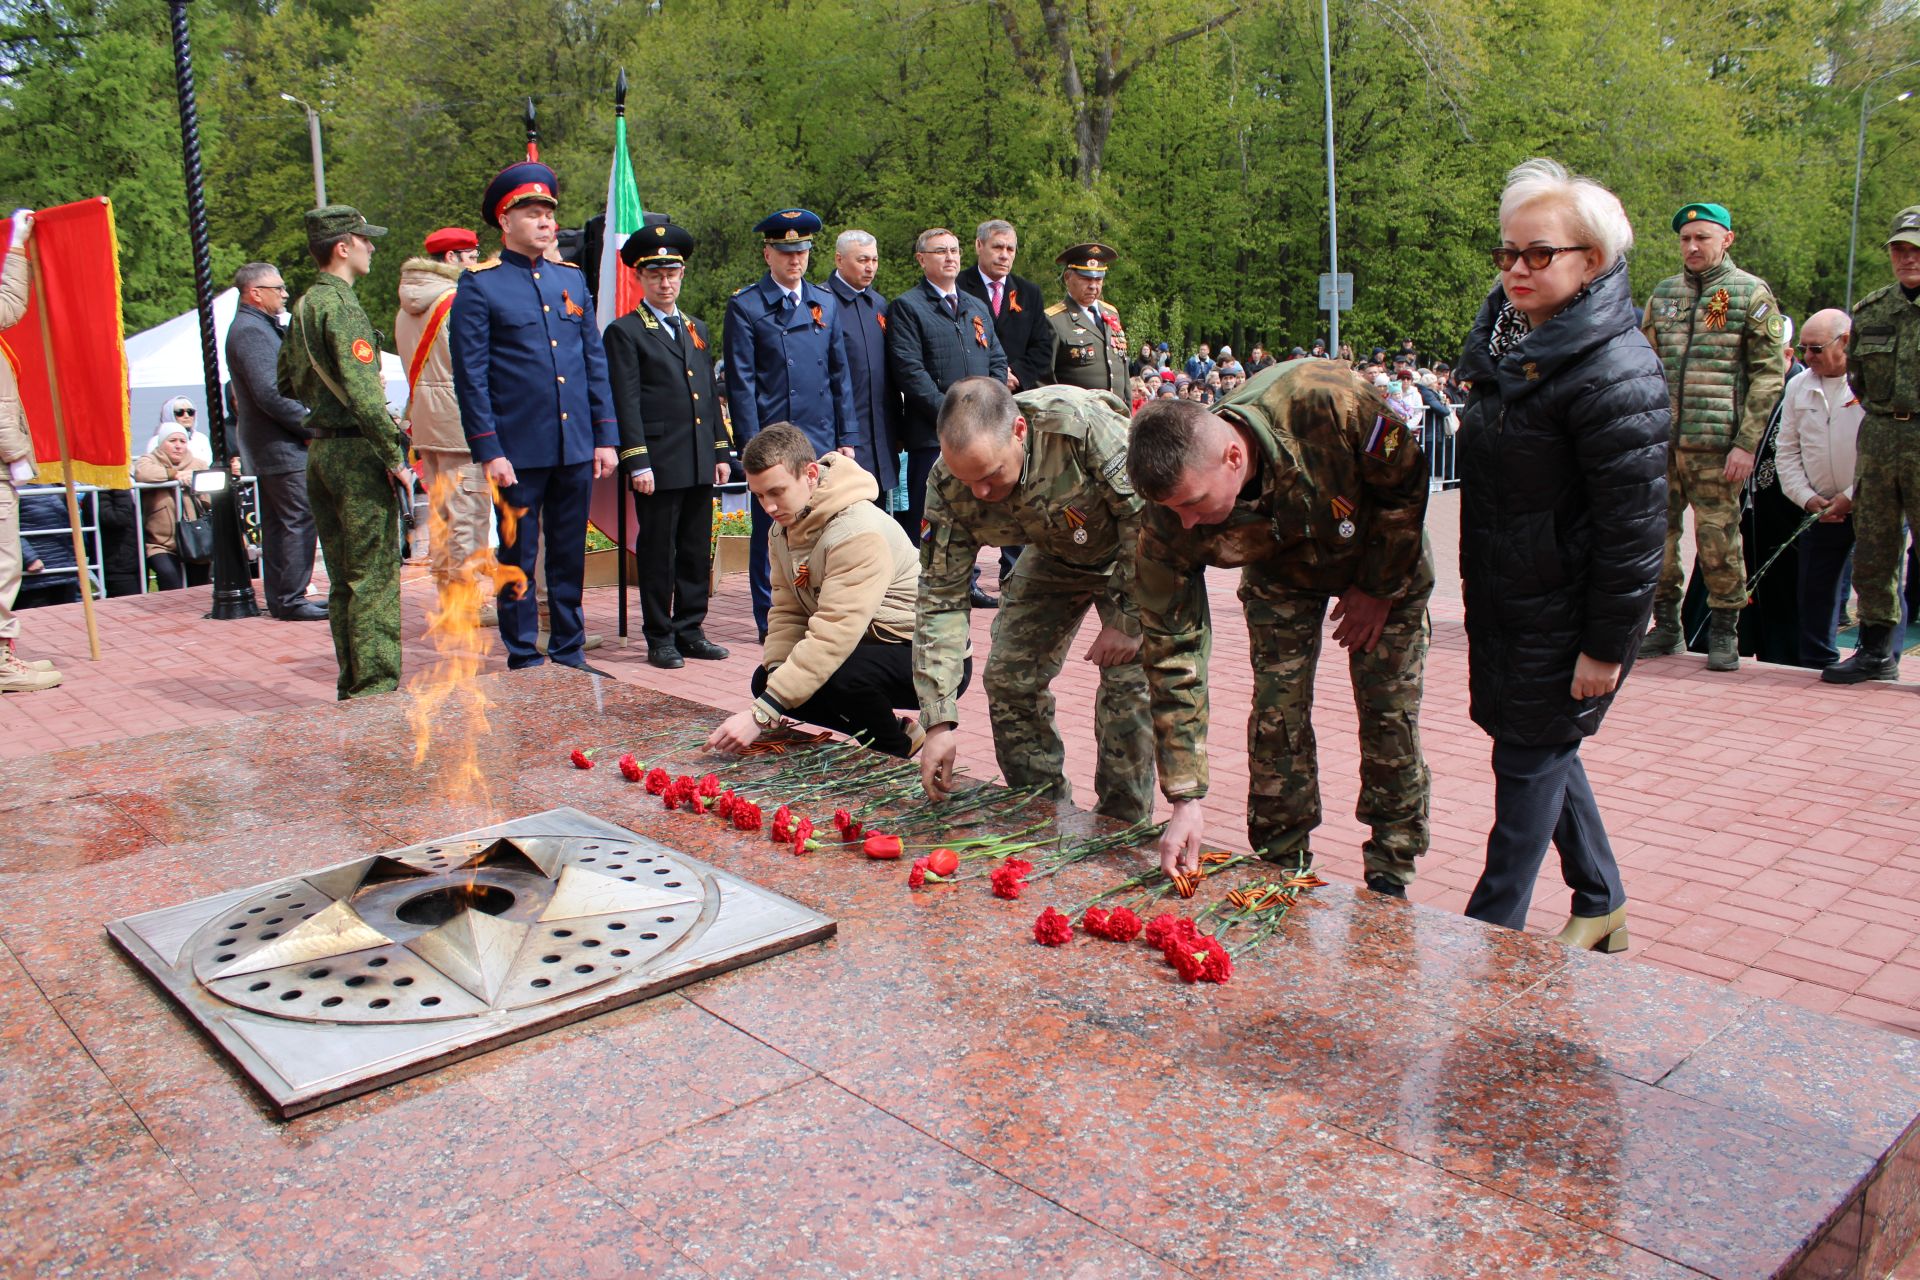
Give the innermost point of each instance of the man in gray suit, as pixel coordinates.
(273, 444)
(937, 335)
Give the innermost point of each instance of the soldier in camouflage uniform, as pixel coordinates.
(1306, 481)
(1046, 469)
(1883, 364)
(1719, 333)
(356, 465)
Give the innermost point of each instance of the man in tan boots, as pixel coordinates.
(839, 649)
(16, 451)
(456, 484)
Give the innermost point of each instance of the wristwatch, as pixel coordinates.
(763, 715)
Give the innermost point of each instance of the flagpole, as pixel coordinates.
(533, 134)
(621, 487)
(66, 454)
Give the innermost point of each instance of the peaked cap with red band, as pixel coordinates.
(517, 184)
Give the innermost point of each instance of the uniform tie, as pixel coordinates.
(673, 326)
(792, 301)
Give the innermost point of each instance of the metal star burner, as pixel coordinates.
(340, 981)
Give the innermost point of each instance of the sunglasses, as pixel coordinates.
(1537, 257)
(186, 413)
(1815, 348)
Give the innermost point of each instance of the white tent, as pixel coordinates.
(164, 362)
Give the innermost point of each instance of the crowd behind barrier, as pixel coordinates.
(47, 538)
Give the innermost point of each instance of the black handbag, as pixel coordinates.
(193, 539)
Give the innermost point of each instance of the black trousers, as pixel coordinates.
(1825, 552)
(675, 553)
(861, 697)
(120, 544)
(173, 573)
(287, 540)
(1542, 794)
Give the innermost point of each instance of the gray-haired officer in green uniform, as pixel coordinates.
(1046, 469)
(1883, 364)
(1089, 342)
(357, 463)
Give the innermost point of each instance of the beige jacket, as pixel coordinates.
(16, 443)
(842, 573)
(160, 508)
(435, 415)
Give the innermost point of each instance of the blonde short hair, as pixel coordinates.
(1595, 212)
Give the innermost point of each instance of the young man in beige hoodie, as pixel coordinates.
(456, 485)
(839, 649)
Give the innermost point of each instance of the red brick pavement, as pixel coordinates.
(1769, 825)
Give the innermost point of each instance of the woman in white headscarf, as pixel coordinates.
(168, 458)
(181, 412)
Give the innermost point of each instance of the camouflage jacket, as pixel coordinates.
(1073, 504)
(1883, 359)
(1339, 500)
(1720, 336)
(330, 327)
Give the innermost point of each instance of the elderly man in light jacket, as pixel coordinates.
(16, 451)
(1819, 418)
(456, 484)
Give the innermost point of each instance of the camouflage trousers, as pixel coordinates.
(1698, 479)
(358, 519)
(1283, 790)
(1041, 608)
(1886, 500)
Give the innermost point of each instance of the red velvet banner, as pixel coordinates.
(80, 259)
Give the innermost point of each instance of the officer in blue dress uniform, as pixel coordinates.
(786, 362)
(531, 378)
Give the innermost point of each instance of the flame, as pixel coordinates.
(446, 694)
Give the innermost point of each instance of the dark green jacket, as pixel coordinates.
(331, 361)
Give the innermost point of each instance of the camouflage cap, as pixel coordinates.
(332, 220)
(1906, 226)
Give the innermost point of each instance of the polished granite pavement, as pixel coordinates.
(1383, 1090)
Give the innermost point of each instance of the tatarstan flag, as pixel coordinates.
(619, 290)
(80, 259)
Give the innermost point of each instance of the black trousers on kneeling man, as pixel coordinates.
(862, 696)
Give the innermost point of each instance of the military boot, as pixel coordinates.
(1665, 636)
(1723, 641)
(1873, 660)
(17, 677)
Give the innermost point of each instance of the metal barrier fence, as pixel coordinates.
(87, 499)
(1443, 462)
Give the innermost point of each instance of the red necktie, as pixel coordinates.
(998, 285)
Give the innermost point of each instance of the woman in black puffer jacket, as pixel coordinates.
(1563, 465)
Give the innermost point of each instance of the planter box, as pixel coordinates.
(730, 552)
(603, 569)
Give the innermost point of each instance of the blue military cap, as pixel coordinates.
(517, 184)
(790, 230)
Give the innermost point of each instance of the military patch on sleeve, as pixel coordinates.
(1384, 440)
(1776, 327)
(363, 351)
(926, 526)
(1114, 466)
(1760, 311)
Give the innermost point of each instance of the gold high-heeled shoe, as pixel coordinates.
(1606, 933)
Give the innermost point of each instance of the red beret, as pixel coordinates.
(447, 239)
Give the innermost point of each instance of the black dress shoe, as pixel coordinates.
(703, 649)
(979, 599)
(305, 611)
(1386, 886)
(666, 656)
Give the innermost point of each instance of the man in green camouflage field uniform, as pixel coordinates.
(1046, 469)
(1719, 333)
(1306, 481)
(1883, 364)
(356, 465)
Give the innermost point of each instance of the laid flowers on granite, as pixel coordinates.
(630, 768)
(581, 759)
(1052, 929)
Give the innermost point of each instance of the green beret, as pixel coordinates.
(1703, 213)
(332, 220)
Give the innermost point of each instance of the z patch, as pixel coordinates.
(363, 351)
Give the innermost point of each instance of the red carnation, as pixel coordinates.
(1010, 878)
(710, 785)
(746, 815)
(782, 829)
(581, 759)
(724, 804)
(670, 798)
(803, 841)
(880, 845)
(1123, 925)
(658, 781)
(943, 862)
(1095, 921)
(851, 832)
(842, 820)
(1168, 929)
(917, 878)
(1052, 929)
(1219, 962)
(630, 768)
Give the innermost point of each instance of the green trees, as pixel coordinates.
(1186, 132)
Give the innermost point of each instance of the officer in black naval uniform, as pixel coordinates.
(1089, 342)
(673, 444)
(531, 379)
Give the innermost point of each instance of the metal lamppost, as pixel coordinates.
(1860, 162)
(313, 140)
(232, 586)
(1333, 213)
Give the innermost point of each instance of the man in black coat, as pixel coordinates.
(1019, 319)
(273, 444)
(673, 445)
(863, 322)
(937, 335)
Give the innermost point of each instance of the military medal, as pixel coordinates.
(1343, 511)
(1716, 316)
(1078, 523)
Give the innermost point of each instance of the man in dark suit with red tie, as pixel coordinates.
(673, 445)
(1019, 318)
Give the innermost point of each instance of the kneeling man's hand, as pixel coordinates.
(936, 762)
(736, 733)
(1180, 842)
